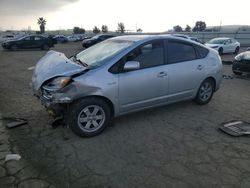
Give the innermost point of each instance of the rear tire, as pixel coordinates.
(45, 47)
(237, 49)
(205, 92)
(88, 117)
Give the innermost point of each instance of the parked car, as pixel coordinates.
(188, 37)
(94, 40)
(224, 45)
(73, 38)
(30, 41)
(241, 63)
(123, 75)
(61, 39)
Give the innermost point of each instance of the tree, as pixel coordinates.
(104, 28)
(41, 22)
(139, 30)
(78, 30)
(121, 27)
(96, 30)
(199, 26)
(188, 28)
(177, 28)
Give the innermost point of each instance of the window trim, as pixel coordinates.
(120, 63)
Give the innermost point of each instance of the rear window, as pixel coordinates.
(180, 51)
(201, 51)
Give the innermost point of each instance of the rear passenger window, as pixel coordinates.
(201, 51)
(180, 51)
(149, 55)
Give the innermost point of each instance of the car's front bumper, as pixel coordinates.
(6, 46)
(49, 98)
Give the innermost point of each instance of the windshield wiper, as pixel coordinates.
(82, 63)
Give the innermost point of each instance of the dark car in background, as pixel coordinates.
(27, 42)
(241, 63)
(94, 40)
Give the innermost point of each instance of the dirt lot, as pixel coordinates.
(176, 146)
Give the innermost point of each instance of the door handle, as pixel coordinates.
(161, 74)
(199, 67)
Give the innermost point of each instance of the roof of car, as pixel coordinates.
(136, 38)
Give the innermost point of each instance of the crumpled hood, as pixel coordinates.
(51, 65)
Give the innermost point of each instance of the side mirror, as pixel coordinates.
(131, 65)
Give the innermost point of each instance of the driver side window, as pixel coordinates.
(149, 55)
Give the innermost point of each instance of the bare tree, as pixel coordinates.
(121, 27)
(104, 28)
(188, 28)
(139, 30)
(177, 28)
(199, 26)
(96, 30)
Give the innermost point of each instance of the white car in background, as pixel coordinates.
(224, 45)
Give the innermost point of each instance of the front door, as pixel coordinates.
(147, 86)
(27, 42)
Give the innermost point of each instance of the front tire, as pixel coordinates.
(14, 47)
(220, 51)
(88, 117)
(205, 92)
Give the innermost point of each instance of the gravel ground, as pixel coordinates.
(175, 146)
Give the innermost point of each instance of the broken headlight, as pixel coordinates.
(57, 83)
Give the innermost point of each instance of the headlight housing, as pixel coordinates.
(215, 46)
(57, 83)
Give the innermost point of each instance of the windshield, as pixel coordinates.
(98, 54)
(216, 41)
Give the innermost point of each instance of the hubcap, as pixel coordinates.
(91, 118)
(206, 91)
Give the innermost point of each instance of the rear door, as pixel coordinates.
(147, 86)
(185, 70)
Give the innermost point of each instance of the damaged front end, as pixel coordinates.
(53, 81)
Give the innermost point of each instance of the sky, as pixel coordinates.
(149, 15)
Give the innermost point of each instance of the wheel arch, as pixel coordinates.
(105, 99)
(213, 80)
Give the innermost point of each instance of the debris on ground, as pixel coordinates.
(227, 76)
(12, 157)
(11, 122)
(236, 128)
(31, 68)
(57, 122)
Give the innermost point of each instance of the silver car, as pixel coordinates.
(224, 45)
(123, 75)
